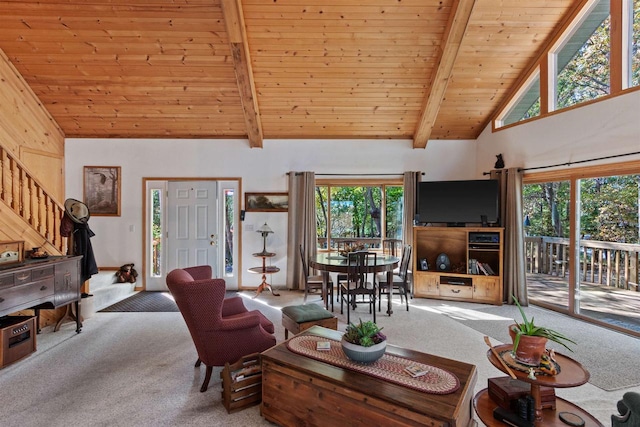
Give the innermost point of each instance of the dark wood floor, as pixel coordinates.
(606, 304)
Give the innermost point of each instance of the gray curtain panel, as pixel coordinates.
(411, 180)
(515, 278)
(302, 225)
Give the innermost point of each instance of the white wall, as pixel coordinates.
(118, 239)
(601, 129)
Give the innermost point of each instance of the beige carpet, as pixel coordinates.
(136, 369)
(608, 365)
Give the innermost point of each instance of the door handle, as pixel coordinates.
(214, 240)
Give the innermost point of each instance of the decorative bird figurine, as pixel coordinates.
(500, 162)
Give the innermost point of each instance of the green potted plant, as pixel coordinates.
(363, 342)
(529, 340)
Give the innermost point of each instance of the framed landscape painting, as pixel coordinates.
(266, 202)
(102, 190)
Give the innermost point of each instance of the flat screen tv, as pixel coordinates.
(458, 203)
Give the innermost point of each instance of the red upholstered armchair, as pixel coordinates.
(223, 330)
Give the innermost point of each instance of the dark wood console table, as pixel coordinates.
(41, 284)
(572, 374)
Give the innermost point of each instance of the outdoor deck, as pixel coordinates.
(607, 304)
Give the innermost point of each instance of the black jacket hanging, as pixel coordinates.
(82, 246)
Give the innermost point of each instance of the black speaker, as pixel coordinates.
(242, 215)
(443, 263)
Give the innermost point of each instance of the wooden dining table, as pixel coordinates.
(327, 262)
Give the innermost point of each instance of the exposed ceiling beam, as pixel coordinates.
(456, 27)
(234, 21)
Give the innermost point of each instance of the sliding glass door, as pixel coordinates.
(608, 248)
(582, 243)
(546, 223)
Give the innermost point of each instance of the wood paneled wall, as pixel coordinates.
(31, 135)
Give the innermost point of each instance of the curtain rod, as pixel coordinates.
(574, 163)
(355, 174)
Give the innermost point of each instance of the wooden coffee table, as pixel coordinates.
(298, 390)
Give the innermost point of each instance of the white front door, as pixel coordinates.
(192, 225)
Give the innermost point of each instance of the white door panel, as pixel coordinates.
(192, 224)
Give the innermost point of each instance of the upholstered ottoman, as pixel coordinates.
(297, 318)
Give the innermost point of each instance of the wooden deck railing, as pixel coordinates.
(24, 194)
(371, 242)
(604, 263)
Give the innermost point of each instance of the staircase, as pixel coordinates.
(105, 292)
(28, 209)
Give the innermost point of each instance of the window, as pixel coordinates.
(526, 102)
(156, 230)
(634, 44)
(596, 55)
(229, 226)
(582, 62)
(356, 212)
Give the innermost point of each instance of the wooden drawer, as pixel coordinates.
(42, 273)
(20, 295)
(22, 277)
(456, 291)
(6, 280)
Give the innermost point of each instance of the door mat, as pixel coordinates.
(144, 302)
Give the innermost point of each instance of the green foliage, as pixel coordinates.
(365, 334)
(547, 205)
(608, 208)
(528, 327)
(587, 75)
(356, 211)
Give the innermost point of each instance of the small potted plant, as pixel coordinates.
(529, 340)
(363, 342)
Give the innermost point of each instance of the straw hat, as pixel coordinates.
(77, 211)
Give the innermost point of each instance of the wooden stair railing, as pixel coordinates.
(26, 196)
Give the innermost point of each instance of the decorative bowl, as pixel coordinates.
(361, 354)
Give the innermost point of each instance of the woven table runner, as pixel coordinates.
(388, 367)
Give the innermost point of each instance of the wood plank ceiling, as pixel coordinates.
(416, 69)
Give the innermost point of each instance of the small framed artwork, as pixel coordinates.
(102, 190)
(266, 202)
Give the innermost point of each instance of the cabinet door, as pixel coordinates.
(425, 284)
(487, 289)
(67, 282)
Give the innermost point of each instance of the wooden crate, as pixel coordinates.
(242, 383)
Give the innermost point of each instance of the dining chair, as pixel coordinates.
(341, 245)
(400, 281)
(392, 247)
(358, 264)
(314, 283)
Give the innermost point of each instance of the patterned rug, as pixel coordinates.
(388, 367)
(145, 302)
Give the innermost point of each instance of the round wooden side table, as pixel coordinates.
(572, 374)
(264, 270)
